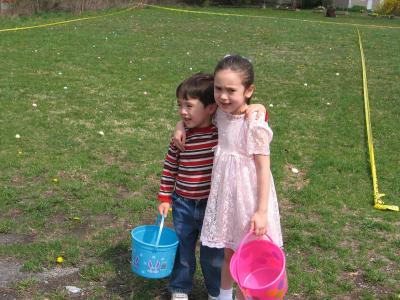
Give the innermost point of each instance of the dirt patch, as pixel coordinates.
(15, 239)
(10, 272)
(20, 181)
(17, 181)
(14, 213)
(286, 205)
(349, 243)
(360, 284)
(7, 294)
(125, 193)
(74, 175)
(56, 274)
(102, 220)
(48, 194)
(295, 178)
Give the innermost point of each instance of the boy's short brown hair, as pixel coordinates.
(198, 86)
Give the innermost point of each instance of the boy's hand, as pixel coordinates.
(163, 208)
(179, 138)
(259, 223)
(258, 108)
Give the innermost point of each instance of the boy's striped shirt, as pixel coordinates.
(188, 172)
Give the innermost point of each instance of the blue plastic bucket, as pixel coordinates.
(153, 250)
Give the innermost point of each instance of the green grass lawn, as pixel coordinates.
(73, 192)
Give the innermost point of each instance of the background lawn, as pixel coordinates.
(67, 190)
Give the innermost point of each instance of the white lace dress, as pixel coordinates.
(233, 196)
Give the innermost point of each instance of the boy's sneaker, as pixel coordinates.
(179, 296)
(212, 298)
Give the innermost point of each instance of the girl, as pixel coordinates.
(242, 195)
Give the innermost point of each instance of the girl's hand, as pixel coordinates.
(259, 223)
(179, 138)
(163, 208)
(258, 108)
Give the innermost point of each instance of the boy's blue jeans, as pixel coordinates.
(188, 218)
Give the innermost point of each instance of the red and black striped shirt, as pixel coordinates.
(188, 173)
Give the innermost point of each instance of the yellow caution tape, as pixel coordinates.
(269, 17)
(195, 12)
(65, 22)
(379, 204)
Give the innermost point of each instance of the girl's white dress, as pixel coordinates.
(233, 196)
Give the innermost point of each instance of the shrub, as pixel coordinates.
(357, 8)
(389, 7)
(311, 3)
(238, 2)
(194, 2)
(26, 7)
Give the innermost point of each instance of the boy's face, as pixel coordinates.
(194, 114)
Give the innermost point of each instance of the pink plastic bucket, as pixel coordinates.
(259, 268)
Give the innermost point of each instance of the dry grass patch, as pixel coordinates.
(294, 181)
(123, 192)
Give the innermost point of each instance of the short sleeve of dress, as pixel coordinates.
(259, 137)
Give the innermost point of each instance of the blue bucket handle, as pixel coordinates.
(161, 223)
(158, 219)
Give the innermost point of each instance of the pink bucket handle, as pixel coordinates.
(246, 237)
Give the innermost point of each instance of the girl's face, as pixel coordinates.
(230, 93)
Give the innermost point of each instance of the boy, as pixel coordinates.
(185, 184)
